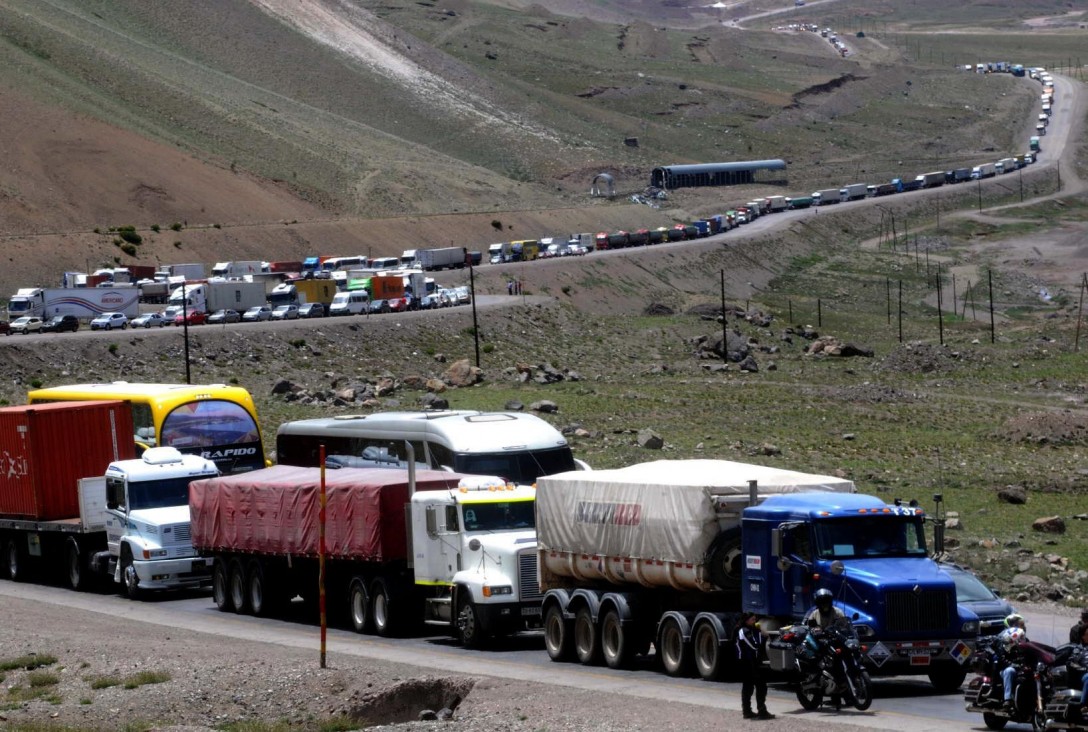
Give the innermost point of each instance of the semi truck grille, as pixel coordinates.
(528, 585)
(910, 611)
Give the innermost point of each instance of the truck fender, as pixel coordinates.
(585, 598)
(624, 604)
(723, 624)
(684, 621)
(557, 597)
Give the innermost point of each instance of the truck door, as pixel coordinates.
(797, 545)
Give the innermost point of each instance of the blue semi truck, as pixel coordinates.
(667, 554)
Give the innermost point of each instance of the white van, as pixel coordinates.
(351, 302)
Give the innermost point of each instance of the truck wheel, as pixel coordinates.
(946, 679)
(256, 594)
(78, 574)
(615, 641)
(237, 584)
(672, 649)
(706, 647)
(557, 635)
(359, 606)
(16, 560)
(221, 586)
(381, 607)
(587, 641)
(129, 579)
(470, 630)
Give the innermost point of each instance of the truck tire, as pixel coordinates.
(558, 635)
(79, 578)
(237, 586)
(587, 638)
(470, 631)
(946, 679)
(723, 560)
(616, 641)
(359, 606)
(256, 590)
(673, 650)
(130, 581)
(221, 586)
(382, 608)
(706, 651)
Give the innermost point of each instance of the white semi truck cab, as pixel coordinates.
(148, 524)
(474, 550)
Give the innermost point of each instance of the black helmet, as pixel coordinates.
(823, 598)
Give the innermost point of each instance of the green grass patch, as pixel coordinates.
(28, 662)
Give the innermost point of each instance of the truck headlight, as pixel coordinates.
(971, 627)
(154, 553)
(492, 590)
(864, 631)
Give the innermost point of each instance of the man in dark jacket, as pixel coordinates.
(749, 651)
(1077, 630)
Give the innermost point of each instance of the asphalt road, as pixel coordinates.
(904, 703)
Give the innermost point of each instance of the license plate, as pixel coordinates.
(200, 564)
(534, 610)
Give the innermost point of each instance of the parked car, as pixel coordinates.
(311, 310)
(464, 295)
(5, 327)
(257, 313)
(193, 317)
(285, 312)
(26, 325)
(433, 301)
(148, 320)
(974, 594)
(379, 306)
(110, 321)
(60, 324)
(398, 304)
(225, 316)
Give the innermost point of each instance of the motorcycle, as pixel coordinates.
(1063, 710)
(829, 665)
(1033, 685)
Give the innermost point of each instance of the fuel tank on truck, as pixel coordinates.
(659, 524)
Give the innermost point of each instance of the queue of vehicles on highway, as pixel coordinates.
(478, 525)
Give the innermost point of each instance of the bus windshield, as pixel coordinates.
(517, 467)
(215, 421)
(870, 537)
(502, 516)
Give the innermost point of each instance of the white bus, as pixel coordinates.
(518, 447)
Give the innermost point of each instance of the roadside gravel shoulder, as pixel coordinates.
(215, 681)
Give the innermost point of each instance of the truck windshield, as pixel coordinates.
(522, 468)
(159, 493)
(502, 516)
(870, 537)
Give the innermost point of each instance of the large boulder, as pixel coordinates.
(463, 373)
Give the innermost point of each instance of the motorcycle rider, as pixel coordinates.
(824, 613)
(822, 616)
(1077, 630)
(1010, 639)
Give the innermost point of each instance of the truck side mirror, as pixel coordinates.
(432, 521)
(776, 543)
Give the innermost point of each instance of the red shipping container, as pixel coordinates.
(275, 511)
(47, 448)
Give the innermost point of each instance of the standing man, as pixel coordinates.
(749, 651)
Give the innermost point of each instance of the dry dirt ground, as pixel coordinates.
(212, 681)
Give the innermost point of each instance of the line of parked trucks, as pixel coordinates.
(611, 564)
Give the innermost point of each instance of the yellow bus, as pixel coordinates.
(216, 421)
